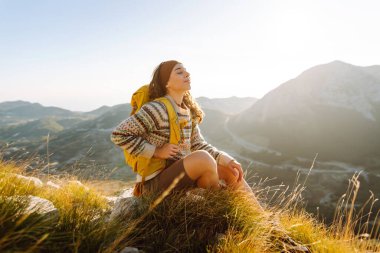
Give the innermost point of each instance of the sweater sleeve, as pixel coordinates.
(199, 143)
(129, 134)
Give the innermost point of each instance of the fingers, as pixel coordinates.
(168, 151)
(175, 148)
(241, 173)
(234, 171)
(237, 170)
(172, 150)
(173, 154)
(172, 147)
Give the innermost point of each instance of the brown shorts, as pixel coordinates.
(162, 181)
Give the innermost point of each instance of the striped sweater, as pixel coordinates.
(142, 132)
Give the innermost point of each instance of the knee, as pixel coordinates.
(205, 160)
(200, 163)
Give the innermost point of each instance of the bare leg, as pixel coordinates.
(226, 174)
(201, 167)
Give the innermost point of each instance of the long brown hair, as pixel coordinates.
(157, 89)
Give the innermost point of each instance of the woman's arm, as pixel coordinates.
(129, 133)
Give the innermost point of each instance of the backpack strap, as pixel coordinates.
(175, 134)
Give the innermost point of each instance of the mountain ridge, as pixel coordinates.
(326, 104)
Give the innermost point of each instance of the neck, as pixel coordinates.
(177, 97)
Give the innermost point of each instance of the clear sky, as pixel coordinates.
(82, 54)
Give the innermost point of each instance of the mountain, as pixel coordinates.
(16, 112)
(231, 105)
(99, 111)
(331, 109)
(24, 109)
(331, 112)
(9, 105)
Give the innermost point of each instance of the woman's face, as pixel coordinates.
(179, 80)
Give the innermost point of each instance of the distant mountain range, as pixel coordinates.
(79, 136)
(16, 112)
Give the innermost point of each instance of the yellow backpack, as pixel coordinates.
(141, 165)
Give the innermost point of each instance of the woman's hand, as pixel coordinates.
(236, 169)
(167, 151)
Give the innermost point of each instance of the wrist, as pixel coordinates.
(232, 160)
(224, 159)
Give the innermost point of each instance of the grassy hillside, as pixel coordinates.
(32, 131)
(200, 221)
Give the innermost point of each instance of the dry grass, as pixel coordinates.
(199, 221)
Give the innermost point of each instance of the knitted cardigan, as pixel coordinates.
(147, 129)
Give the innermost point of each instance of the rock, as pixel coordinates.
(52, 185)
(122, 205)
(111, 200)
(37, 205)
(127, 193)
(36, 181)
(78, 183)
(40, 205)
(130, 250)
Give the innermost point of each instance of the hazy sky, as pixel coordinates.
(80, 55)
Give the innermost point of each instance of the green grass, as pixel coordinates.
(200, 221)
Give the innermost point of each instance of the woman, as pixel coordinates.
(146, 133)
